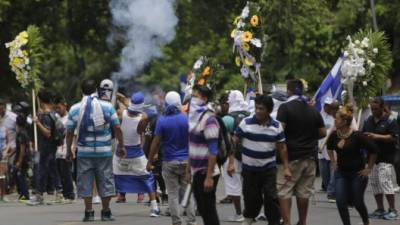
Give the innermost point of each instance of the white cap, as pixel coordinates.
(173, 98)
(328, 101)
(107, 84)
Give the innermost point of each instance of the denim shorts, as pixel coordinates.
(95, 169)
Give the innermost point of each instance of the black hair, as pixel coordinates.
(266, 101)
(204, 91)
(88, 87)
(378, 100)
(295, 86)
(224, 98)
(45, 96)
(21, 120)
(59, 100)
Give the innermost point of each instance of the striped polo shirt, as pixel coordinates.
(203, 141)
(259, 143)
(97, 142)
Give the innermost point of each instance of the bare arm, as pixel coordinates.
(322, 132)
(69, 139)
(155, 146)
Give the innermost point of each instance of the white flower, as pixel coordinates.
(345, 54)
(240, 24)
(375, 50)
(351, 45)
(245, 72)
(357, 42)
(360, 51)
(365, 83)
(372, 65)
(364, 44)
(369, 62)
(348, 38)
(256, 42)
(365, 40)
(198, 64)
(245, 12)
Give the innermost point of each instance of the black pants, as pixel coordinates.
(259, 188)
(22, 183)
(47, 170)
(206, 201)
(350, 187)
(64, 169)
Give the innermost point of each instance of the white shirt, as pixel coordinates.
(9, 123)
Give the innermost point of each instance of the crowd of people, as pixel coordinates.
(267, 147)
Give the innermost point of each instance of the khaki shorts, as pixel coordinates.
(301, 184)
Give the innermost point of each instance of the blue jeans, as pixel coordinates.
(325, 171)
(350, 187)
(331, 186)
(22, 181)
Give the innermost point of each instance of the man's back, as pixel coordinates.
(302, 123)
(94, 142)
(173, 130)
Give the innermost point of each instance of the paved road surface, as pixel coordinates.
(131, 213)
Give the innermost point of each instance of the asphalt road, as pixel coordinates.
(131, 213)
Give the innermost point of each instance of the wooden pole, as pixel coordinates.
(260, 87)
(246, 84)
(359, 119)
(34, 124)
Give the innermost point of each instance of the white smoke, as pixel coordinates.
(145, 26)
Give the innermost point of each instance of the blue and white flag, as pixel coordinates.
(331, 87)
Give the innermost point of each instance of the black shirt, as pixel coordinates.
(46, 145)
(351, 157)
(22, 138)
(302, 128)
(384, 126)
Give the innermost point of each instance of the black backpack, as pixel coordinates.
(224, 140)
(238, 116)
(58, 130)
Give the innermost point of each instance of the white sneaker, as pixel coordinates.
(237, 218)
(261, 217)
(59, 198)
(155, 213)
(96, 200)
(35, 200)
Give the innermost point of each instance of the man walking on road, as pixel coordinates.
(94, 119)
(303, 127)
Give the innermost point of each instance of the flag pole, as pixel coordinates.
(35, 139)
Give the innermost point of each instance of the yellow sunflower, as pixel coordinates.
(246, 46)
(206, 72)
(202, 81)
(254, 21)
(237, 61)
(247, 36)
(248, 62)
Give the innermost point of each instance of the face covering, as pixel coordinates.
(197, 101)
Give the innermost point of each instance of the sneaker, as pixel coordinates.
(107, 216)
(237, 218)
(4, 200)
(23, 199)
(96, 200)
(391, 215)
(59, 198)
(68, 201)
(261, 217)
(89, 216)
(36, 200)
(377, 214)
(155, 212)
(121, 200)
(331, 200)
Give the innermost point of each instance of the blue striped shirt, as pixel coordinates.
(259, 143)
(97, 142)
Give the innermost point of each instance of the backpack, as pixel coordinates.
(238, 117)
(57, 130)
(224, 140)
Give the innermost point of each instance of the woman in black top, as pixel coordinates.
(351, 177)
